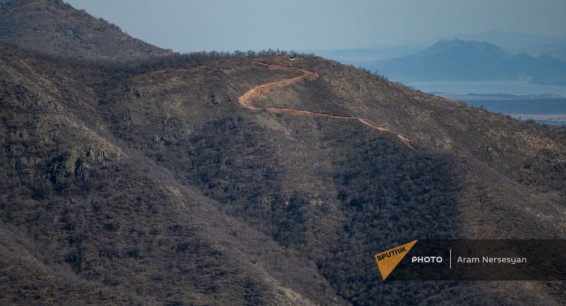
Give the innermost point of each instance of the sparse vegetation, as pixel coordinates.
(145, 182)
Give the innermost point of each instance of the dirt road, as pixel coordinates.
(262, 91)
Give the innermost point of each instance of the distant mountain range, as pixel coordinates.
(358, 57)
(472, 61)
(535, 45)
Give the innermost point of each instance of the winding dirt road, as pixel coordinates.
(263, 90)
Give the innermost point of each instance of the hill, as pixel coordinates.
(54, 27)
(252, 179)
(470, 60)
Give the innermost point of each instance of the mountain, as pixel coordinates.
(359, 57)
(534, 45)
(252, 178)
(54, 27)
(470, 60)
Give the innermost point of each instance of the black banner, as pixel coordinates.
(482, 260)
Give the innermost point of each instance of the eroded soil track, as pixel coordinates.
(262, 91)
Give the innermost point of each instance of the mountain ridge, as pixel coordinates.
(54, 27)
(534, 45)
(470, 60)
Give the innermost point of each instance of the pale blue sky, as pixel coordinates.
(194, 25)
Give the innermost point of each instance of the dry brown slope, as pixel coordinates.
(517, 163)
(54, 27)
(324, 191)
(92, 210)
(328, 189)
(261, 91)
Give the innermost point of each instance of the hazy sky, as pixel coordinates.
(194, 25)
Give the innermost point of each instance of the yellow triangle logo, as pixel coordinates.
(388, 260)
